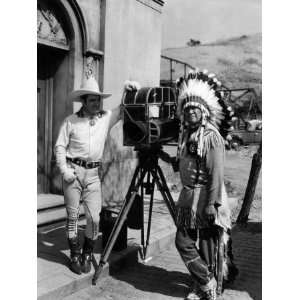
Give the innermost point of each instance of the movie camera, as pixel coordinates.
(150, 116)
(149, 122)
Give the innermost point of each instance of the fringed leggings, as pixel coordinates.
(87, 187)
(197, 259)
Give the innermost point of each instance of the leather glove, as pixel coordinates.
(131, 85)
(210, 213)
(69, 175)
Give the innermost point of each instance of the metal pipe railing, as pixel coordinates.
(171, 60)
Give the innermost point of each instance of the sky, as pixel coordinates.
(208, 20)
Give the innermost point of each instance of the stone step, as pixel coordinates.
(49, 200)
(52, 215)
(51, 209)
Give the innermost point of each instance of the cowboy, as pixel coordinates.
(79, 149)
(202, 209)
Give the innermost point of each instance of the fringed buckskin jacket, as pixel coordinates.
(203, 181)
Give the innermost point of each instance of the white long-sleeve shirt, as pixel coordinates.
(78, 138)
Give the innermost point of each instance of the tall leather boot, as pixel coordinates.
(75, 259)
(86, 261)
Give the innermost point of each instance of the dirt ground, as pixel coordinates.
(144, 280)
(237, 170)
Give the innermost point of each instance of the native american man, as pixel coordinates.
(202, 210)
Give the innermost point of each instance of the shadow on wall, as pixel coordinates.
(119, 166)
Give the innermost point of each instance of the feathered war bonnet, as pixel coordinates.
(200, 89)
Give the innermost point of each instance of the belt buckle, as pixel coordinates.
(79, 162)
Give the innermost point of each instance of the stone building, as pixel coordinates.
(115, 40)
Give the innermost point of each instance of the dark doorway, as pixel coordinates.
(49, 61)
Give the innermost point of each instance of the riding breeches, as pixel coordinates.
(86, 187)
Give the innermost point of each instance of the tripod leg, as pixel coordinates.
(162, 177)
(131, 188)
(163, 187)
(143, 225)
(117, 227)
(132, 183)
(149, 216)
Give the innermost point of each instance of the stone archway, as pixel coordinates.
(60, 63)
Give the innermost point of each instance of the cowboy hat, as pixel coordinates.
(89, 86)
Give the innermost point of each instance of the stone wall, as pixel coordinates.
(132, 46)
(132, 51)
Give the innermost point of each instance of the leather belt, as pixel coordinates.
(83, 163)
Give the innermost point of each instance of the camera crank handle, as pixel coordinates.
(165, 156)
(175, 164)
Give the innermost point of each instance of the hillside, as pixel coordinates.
(236, 61)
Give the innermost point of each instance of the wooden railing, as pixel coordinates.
(170, 81)
(251, 187)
